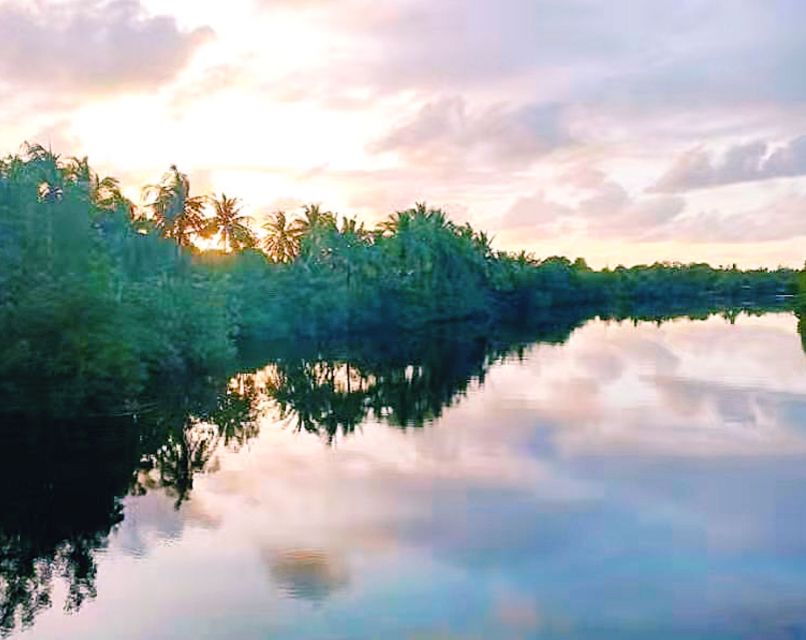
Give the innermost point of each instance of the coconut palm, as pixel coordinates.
(484, 245)
(402, 220)
(351, 227)
(227, 221)
(176, 213)
(281, 243)
(394, 223)
(46, 167)
(312, 218)
(104, 193)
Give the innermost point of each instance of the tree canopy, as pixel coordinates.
(99, 298)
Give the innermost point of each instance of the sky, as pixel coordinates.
(623, 131)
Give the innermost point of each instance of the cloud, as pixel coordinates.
(614, 212)
(445, 130)
(748, 162)
(620, 52)
(607, 212)
(781, 220)
(536, 211)
(452, 42)
(92, 45)
(57, 135)
(295, 4)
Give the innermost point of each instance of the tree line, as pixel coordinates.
(100, 299)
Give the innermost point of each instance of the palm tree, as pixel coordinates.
(47, 169)
(281, 243)
(104, 193)
(394, 223)
(312, 218)
(176, 213)
(351, 227)
(228, 222)
(348, 243)
(402, 220)
(484, 245)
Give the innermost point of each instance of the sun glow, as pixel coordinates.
(368, 109)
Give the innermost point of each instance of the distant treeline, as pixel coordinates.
(98, 298)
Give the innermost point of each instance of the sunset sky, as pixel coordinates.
(620, 130)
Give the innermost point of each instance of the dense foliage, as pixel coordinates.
(92, 300)
(99, 299)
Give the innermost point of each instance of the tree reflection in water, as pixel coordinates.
(180, 443)
(66, 480)
(403, 383)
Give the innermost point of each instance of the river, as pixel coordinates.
(600, 479)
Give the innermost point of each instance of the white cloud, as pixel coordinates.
(779, 220)
(608, 211)
(91, 46)
(446, 130)
(746, 162)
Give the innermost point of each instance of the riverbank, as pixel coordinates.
(100, 300)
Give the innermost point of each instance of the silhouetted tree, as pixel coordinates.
(281, 242)
(232, 227)
(176, 213)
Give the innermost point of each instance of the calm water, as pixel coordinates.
(630, 482)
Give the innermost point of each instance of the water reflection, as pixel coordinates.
(408, 381)
(67, 480)
(405, 383)
(482, 499)
(307, 573)
(59, 506)
(180, 439)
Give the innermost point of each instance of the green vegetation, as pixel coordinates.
(100, 301)
(800, 307)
